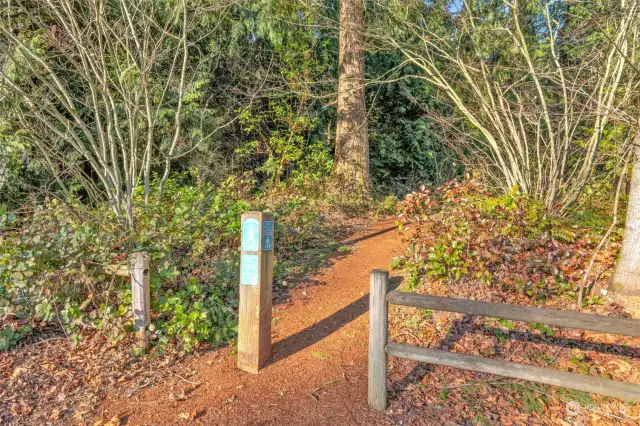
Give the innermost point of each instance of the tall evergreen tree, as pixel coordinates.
(352, 144)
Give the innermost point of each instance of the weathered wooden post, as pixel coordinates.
(256, 283)
(141, 297)
(378, 336)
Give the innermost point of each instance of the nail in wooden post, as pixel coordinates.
(378, 336)
(256, 284)
(141, 295)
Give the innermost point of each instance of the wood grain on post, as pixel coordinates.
(378, 334)
(567, 319)
(141, 297)
(589, 384)
(254, 312)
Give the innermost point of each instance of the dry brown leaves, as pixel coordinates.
(431, 392)
(467, 397)
(55, 382)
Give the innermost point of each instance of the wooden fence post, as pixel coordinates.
(141, 298)
(256, 288)
(378, 335)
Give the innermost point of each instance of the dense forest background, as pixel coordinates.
(152, 125)
(258, 100)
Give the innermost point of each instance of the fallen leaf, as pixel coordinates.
(319, 355)
(55, 414)
(187, 415)
(115, 421)
(18, 372)
(573, 408)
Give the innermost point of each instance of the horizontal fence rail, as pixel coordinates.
(566, 319)
(590, 384)
(379, 348)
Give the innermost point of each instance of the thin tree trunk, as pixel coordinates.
(352, 144)
(626, 279)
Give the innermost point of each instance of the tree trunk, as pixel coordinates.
(352, 145)
(626, 279)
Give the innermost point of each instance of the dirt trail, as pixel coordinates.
(318, 373)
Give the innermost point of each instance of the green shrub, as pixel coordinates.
(446, 259)
(9, 336)
(461, 229)
(54, 265)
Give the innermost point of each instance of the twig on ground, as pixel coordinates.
(513, 352)
(324, 386)
(493, 381)
(188, 381)
(45, 340)
(556, 355)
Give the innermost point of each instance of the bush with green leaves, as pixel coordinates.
(445, 259)
(407, 145)
(279, 148)
(10, 336)
(57, 265)
(462, 230)
(20, 170)
(54, 265)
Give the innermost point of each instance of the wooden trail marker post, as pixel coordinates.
(256, 285)
(141, 298)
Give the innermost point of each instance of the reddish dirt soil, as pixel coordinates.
(318, 372)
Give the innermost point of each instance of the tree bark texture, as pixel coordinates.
(352, 144)
(626, 279)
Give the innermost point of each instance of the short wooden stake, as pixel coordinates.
(141, 296)
(256, 286)
(378, 336)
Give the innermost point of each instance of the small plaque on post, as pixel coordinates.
(267, 235)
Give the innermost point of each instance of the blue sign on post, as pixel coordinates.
(251, 235)
(249, 269)
(267, 235)
(256, 282)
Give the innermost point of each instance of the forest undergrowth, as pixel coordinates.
(465, 242)
(66, 334)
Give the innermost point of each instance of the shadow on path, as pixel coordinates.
(366, 237)
(323, 328)
(330, 255)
